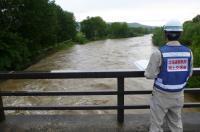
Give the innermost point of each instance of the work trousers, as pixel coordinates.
(163, 106)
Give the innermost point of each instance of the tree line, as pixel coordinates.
(191, 38)
(29, 28)
(95, 28)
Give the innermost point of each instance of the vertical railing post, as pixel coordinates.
(2, 114)
(120, 100)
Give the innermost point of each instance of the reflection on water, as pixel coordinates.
(100, 55)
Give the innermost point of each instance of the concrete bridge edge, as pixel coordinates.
(88, 123)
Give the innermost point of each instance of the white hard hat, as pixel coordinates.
(173, 25)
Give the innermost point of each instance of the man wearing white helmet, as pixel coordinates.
(171, 67)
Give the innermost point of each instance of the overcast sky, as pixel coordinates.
(149, 12)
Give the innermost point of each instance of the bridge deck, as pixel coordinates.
(88, 123)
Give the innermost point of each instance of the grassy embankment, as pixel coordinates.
(60, 46)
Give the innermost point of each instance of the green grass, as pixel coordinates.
(49, 51)
(63, 46)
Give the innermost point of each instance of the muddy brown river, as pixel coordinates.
(108, 54)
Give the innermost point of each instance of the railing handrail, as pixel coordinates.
(119, 74)
(76, 74)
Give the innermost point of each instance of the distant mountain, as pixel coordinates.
(135, 24)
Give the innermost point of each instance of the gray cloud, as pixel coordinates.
(144, 11)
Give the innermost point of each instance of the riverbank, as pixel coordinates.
(43, 54)
(46, 52)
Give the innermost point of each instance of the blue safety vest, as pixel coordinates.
(175, 68)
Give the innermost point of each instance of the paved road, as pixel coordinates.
(88, 123)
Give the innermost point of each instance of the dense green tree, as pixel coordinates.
(196, 19)
(13, 51)
(38, 24)
(122, 30)
(135, 31)
(158, 36)
(29, 27)
(94, 28)
(119, 30)
(66, 28)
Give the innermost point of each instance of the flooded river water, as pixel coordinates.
(99, 55)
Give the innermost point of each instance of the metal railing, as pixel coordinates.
(119, 75)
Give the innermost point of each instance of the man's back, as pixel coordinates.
(170, 67)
